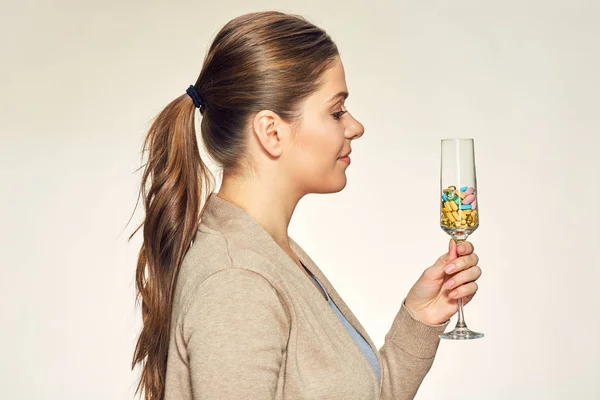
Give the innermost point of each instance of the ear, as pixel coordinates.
(271, 131)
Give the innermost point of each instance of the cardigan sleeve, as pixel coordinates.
(407, 355)
(236, 332)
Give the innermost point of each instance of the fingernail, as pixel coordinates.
(454, 294)
(449, 284)
(449, 268)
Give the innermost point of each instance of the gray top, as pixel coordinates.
(356, 336)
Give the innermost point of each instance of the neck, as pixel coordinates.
(269, 203)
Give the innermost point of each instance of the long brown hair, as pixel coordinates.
(263, 60)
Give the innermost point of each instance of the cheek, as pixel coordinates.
(325, 148)
(321, 170)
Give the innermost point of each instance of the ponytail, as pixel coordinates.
(178, 182)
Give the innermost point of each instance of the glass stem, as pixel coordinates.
(461, 317)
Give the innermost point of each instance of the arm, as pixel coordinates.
(236, 332)
(410, 345)
(407, 355)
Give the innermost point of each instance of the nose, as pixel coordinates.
(354, 129)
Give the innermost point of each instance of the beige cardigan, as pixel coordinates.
(249, 324)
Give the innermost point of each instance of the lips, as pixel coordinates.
(346, 155)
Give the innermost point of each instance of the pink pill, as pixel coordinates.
(470, 190)
(469, 199)
(474, 205)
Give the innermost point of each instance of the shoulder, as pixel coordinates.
(232, 301)
(232, 285)
(216, 266)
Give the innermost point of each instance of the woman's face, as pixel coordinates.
(323, 137)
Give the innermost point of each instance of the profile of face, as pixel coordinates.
(310, 157)
(325, 134)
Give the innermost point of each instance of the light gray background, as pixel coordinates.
(81, 81)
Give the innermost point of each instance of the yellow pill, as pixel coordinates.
(455, 215)
(454, 206)
(450, 217)
(448, 206)
(462, 195)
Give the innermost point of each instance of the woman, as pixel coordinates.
(233, 308)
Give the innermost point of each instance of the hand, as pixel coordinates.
(434, 297)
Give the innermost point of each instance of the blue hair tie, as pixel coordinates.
(191, 91)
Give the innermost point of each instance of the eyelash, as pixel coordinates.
(338, 114)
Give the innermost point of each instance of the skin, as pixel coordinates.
(294, 161)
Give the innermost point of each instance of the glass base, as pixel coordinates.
(461, 334)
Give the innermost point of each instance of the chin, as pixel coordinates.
(333, 186)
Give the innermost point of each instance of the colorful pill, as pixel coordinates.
(457, 200)
(453, 206)
(450, 196)
(462, 195)
(469, 199)
(474, 204)
(464, 188)
(444, 197)
(466, 206)
(470, 190)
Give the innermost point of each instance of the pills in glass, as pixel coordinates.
(459, 207)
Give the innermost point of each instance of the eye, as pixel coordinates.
(338, 114)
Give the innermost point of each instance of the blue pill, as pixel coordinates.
(464, 188)
(444, 197)
(465, 207)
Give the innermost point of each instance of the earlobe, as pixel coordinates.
(265, 126)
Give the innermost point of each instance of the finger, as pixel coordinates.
(465, 248)
(436, 271)
(466, 276)
(461, 263)
(468, 289)
(467, 299)
(452, 253)
(444, 259)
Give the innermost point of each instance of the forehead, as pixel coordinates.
(334, 82)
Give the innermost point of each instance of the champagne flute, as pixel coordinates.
(459, 213)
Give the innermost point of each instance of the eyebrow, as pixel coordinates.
(342, 94)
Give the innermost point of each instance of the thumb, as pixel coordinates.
(452, 251)
(437, 270)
